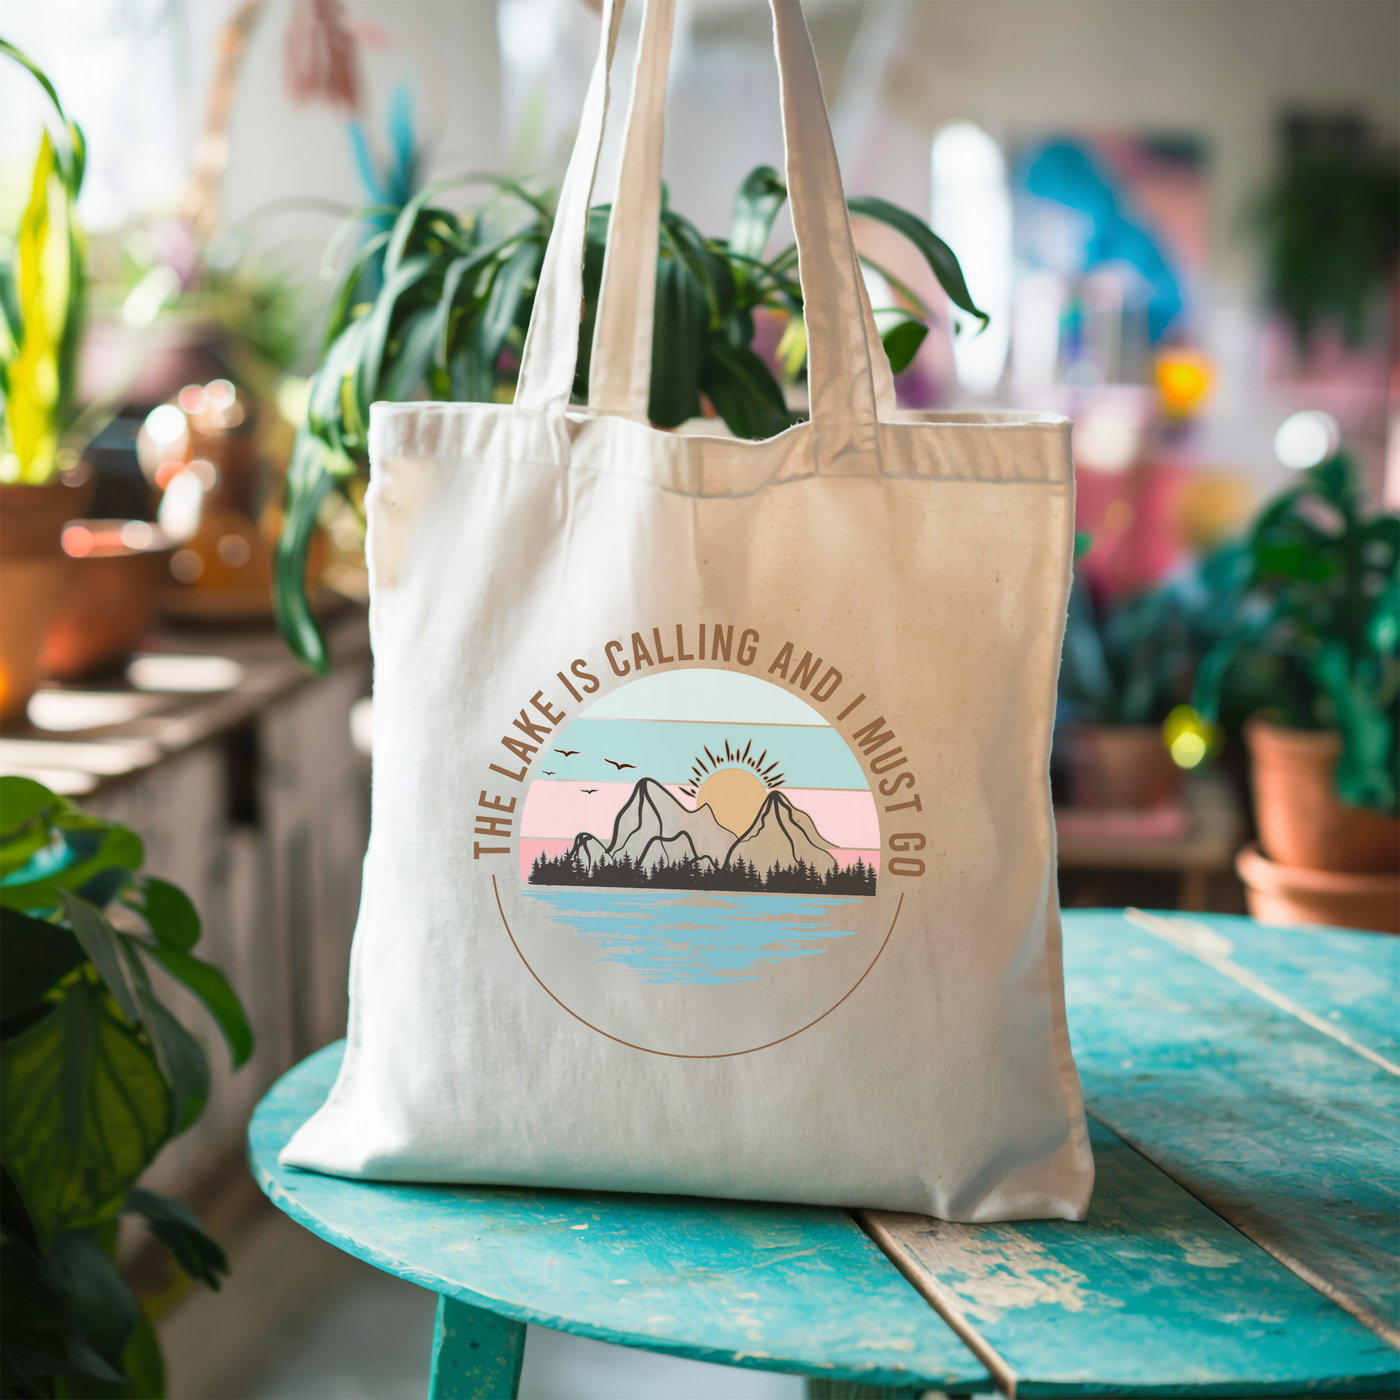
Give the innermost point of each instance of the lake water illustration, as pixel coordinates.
(674, 936)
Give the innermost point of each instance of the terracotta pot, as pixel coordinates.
(1121, 766)
(1301, 820)
(115, 578)
(1293, 894)
(34, 574)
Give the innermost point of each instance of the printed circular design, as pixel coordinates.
(699, 866)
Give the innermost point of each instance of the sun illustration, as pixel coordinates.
(733, 793)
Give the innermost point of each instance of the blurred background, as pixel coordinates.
(1183, 221)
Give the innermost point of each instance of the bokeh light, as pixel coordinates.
(1305, 439)
(1190, 738)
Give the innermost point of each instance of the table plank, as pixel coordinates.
(1153, 1294)
(1279, 1127)
(773, 1287)
(1346, 977)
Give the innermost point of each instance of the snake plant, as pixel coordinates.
(450, 312)
(42, 295)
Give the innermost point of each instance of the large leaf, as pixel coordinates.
(413, 352)
(939, 256)
(177, 1227)
(679, 344)
(103, 946)
(84, 1109)
(1365, 768)
(684, 242)
(211, 987)
(68, 1321)
(309, 482)
(369, 367)
(744, 392)
(901, 339)
(88, 848)
(21, 799)
(181, 1057)
(755, 208)
(71, 162)
(34, 956)
(343, 307)
(169, 914)
(33, 407)
(503, 305)
(98, 1302)
(594, 252)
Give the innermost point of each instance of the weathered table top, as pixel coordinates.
(1244, 1237)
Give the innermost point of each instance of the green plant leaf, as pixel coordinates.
(21, 799)
(143, 1363)
(34, 956)
(169, 914)
(89, 847)
(457, 270)
(211, 987)
(102, 944)
(684, 242)
(309, 482)
(594, 252)
(178, 1228)
(342, 308)
(325, 410)
(369, 361)
(99, 1302)
(939, 256)
(744, 392)
(902, 342)
(84, 1109)
(679, 343)
(503, 305)
(756, 207)
(408, 366)
(1365, 776)
(181, 1057)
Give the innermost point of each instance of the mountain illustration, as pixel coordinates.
(782, 835)
(657, 840)
(653, 828)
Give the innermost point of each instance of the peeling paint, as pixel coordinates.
(993, 1271)
(1202, 1252)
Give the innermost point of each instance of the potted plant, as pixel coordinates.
(1316, 622)
(1125, 673)
(1331, 227)
(69, 602)
(96, 1076)
(42, 293)
(449, 303)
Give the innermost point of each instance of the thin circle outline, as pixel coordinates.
(672, 1054)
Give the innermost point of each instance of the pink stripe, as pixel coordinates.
(565, 809)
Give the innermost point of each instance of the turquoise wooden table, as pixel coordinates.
(1244, 1237)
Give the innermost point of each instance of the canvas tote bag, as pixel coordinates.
(712, 845)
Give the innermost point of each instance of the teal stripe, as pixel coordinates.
(807, 756)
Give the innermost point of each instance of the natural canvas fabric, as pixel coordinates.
(712, 843)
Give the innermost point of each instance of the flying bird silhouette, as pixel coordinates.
(566, 753)
(617, 765)
(546, 772)
(589, 790)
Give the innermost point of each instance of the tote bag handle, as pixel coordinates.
(848, 375)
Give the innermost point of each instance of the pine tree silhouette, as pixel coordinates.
(569, 868)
